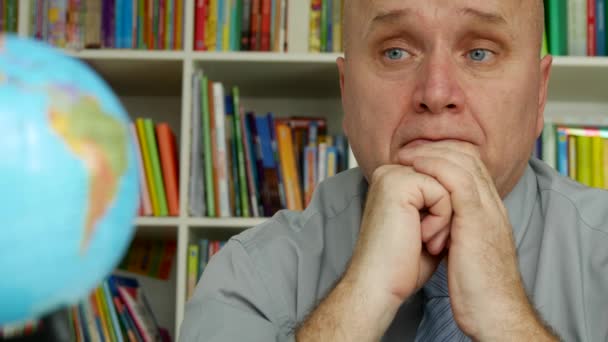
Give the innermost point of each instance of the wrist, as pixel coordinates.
(519, 323)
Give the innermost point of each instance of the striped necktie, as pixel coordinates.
(438, 320)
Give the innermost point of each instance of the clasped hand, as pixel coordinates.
(463, 219)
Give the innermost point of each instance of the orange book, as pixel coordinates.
(266, 25)
(287, 163)
(169, 164)
(178, 22)
(214, 151)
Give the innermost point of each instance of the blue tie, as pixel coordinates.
(438, 320)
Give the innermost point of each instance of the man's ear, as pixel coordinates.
(545, 73)
(340, 63)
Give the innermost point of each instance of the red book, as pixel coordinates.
(256, 22)
(200, 19)
(162, 14)
(170, 166)
(164, 269)
(266, 21)
(591, 41)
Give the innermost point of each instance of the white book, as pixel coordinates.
(298, 26)
(549, 142)
(220, 165)
(322, 162)
(577, 27)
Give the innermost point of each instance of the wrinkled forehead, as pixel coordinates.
(515, 15)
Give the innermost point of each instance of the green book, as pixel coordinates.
(324, 24)
(156, 169)
(236, 22)
(240, 154)
(544, 48)
(556, 16)
(208, 162)
(141, 17)
(583, 160)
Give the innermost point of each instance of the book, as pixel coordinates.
(169, 164)
(143, 184)
(577, 27)
(207, 147)
(597, 162)
(556, 17)
(156, 167)
(196, 185)
(146, 152)
(583, 160)
(244, 194)
(220, 165)
(193, 256)
(293, 192)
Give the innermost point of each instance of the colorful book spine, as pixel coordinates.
(293, 193)
(156, 167)
(577, 27)
(220, 164)
(557, 26)
(597, 163)
(169, 165)
(193, 259)
(244, 196)
(143, 184)
(600, 27)
(146, 152)
(314, 44)
(591, 41)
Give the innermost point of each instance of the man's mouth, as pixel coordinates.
(422, 141)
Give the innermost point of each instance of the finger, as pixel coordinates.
(432, 225)
(438, 243)
(459, 182)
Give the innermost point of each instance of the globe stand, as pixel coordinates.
(54, 327)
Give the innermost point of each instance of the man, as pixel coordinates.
(447, 231)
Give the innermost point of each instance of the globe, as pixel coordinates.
(68, 180)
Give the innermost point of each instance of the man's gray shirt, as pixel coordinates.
(266, 280)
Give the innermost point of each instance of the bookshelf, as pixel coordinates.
(157, 84)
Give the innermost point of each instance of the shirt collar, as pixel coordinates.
(520, 203)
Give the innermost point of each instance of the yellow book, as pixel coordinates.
(287, 162)
(583, 160)
(226, 24)
(211, 26)
(105, 312)
(605, 162)
(141, 132)
(102, 316)
(179, 24)
(193, 256)
(597, 162)
(314, 44)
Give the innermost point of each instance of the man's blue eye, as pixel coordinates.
(395, 54)
(479, 55)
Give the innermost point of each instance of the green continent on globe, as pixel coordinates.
(100, 141)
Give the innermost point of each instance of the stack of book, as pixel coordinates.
(117, 310)
(578, 152)
(199, 255)
(247, 165)
(240, 25)
(326, 25)
(122, 24)
(151, 258)
(9, 12)
(156, 150)
(576, 27)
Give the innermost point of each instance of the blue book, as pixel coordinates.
(112, 310)
(118, 23)
(562, 151)
(330, 27)
(127, 29)
(220, 26)
(600, 27)
(275, 152)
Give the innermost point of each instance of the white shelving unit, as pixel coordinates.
(157, 84)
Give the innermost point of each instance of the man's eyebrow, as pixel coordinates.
(396, 15)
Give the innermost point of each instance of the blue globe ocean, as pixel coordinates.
(68, 178)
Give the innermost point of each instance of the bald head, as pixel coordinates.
(355, 12)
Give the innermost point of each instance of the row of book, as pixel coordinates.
(576, 27)
(9, 12)
(117, 310)
(247, 165)
(199, 255)
(326, 25)
(240, 25)
(150, 257)
(122, 24)
(158, 165)
(580, 153)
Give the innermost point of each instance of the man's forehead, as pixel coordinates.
(369, 9)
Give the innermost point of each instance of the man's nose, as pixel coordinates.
(438, 89)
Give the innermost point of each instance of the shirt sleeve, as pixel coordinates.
(232, 303)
